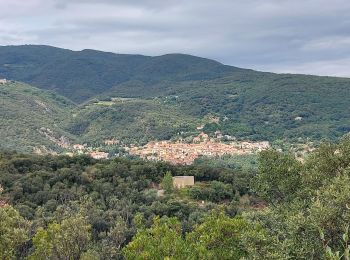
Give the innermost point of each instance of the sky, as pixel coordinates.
(289, 36)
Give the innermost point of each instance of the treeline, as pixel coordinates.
(79, 208)
(62, 207)
(307, 215)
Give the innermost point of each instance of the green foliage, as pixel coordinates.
(338, 255)
(67, 240)
(135, 120)
(217, 237)
(215, 191)
(82, 75)
(90, 255)
(88, 209)
(24, 111)
(246, 162)
(278, 178)
(162, 241)
(251, 105)
(14, 231)
(107, 209)
(113, 198)
(167, 182)
(161, 97)
(115, 239)
(317, 201)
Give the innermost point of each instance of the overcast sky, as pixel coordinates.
(297, 36)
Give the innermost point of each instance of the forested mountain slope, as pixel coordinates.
(27, 113)
(259, 105)
(81, 75)
(140, 98)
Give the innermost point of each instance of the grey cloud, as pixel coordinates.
(146, 4)
(309, 36)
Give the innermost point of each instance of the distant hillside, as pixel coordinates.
(167, 96)
(80, 75)
(130, 120)
(261, 106)
(27, 113)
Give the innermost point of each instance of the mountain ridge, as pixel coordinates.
(139, 98)
(80, 75)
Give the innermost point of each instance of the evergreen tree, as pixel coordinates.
(167, 182)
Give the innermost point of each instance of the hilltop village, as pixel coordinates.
(174, 152)
(185, 153)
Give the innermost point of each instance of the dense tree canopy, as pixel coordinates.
(105, 199)
(80, 208)
(14, 231)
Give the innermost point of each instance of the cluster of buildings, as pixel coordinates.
(98, 155)
(185, 153)
(84, 149)
(112, 141)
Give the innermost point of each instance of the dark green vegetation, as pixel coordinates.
(84, 74)
(132, 121)
(159, 97)
(96, 207)
(79, 208)
(24, 111)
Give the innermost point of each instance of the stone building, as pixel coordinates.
(99, 155)
(183, 181)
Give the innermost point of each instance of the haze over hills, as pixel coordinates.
(138, 98)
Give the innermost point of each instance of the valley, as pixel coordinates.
(174, 130)
(155, 107)
(122, 151)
